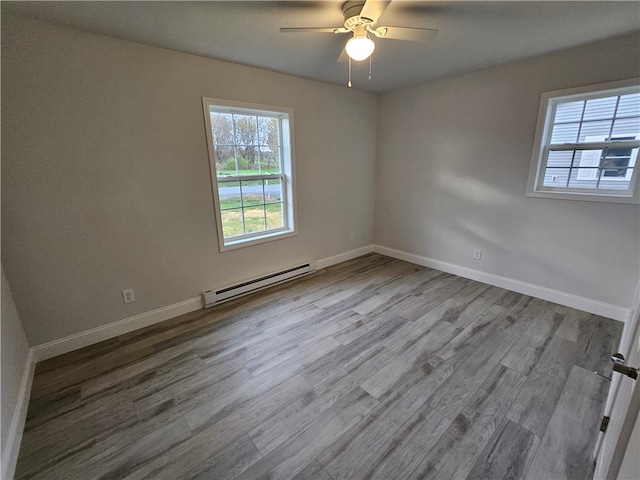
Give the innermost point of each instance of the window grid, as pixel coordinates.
(253, 201)
(244, 207)
(257, 144)
(601, 168)
(604, 108)
(254, 141)
(584, 108)
(573, 157)
(613, 118)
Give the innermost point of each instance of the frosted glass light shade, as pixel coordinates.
(360, 48)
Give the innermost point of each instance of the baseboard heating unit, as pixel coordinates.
(214, 297)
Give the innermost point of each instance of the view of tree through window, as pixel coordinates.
(250, 172)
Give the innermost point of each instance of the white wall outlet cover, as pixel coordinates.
(128, 296)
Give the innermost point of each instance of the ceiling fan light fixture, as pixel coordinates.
(360, 47)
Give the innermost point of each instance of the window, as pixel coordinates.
(251, 163)
(587, 144)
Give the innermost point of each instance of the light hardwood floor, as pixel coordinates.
(373, 368)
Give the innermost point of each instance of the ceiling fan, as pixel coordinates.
(360, 17)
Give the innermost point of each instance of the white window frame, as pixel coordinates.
(287, 174)
(542, 145)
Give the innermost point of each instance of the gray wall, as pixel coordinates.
(452, 164)
(15, 352)
(105, 175)
(106, 185)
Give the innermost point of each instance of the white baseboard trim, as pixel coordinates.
(343, 257)
(567, 299)
(14, 438)
(105, 332)
(121, 327)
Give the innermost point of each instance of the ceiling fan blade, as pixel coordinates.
(373, 9)
(406, 33)
(314, 30)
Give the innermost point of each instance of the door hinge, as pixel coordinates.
(604, 424)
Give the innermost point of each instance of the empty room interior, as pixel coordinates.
(320, 240)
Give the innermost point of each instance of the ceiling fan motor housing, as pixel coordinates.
(351, 11)
(352, 20)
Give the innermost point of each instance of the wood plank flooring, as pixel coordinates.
(371, 369)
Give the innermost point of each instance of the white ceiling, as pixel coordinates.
(473, 35)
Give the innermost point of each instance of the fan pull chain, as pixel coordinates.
(370, 67)
(349, 84)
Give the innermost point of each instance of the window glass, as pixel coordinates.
(587, 144)
(252, 174)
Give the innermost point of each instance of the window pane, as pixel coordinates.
(565, 133)
(556, 177)
(600, 129)
(588, 162)
(274, 215)
(610, 184)
(247, 160)
(232, 222)
(225, 160)
(569, 112)
(560, 158)
(270, 159)
(252, 193)
(273, 190)
(229, 201)
(268, 131)
(229, 193)
(629, 105)
(254, 219)
(587, 158)
(246, 130)
(626, 126)
(584, 178)
(600, 108)
(222, 128)
(616, 161)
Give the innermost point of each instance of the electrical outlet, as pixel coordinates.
(353, 237)
(128, 296)
(477, 253)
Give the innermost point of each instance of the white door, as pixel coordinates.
(619, 399)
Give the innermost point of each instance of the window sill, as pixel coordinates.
(586, 197)
(248, 242)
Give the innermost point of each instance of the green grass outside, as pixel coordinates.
(254, 216)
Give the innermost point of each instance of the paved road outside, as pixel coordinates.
(273, 190)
